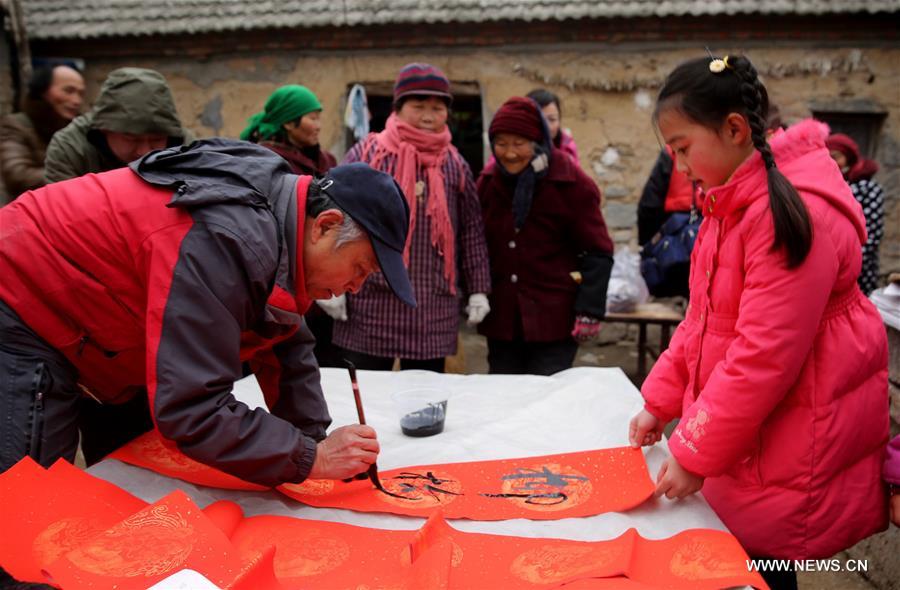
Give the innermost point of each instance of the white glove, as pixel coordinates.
(477, 308)
(336, 307)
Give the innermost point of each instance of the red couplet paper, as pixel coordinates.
(317, 554)
(258, 573)
(152, 451)
(46, 513)
(538, 488)
(324, 555)
(696, 559)
(276, 552)
(148, 546)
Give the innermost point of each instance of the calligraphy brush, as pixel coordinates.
(373, 468)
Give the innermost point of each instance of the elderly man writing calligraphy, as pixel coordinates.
(164, 282)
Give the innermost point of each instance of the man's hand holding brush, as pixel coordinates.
(347, 451)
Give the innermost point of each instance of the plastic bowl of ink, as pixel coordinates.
(422, 411)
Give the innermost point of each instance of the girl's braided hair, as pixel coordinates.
(707, 95)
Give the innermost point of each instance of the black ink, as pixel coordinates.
(431, 483)
(384, 491)
(427, 421)
(536, 480)
(431, 477)
(557, 480)
(534, 498)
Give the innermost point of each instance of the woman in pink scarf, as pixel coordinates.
(445, 253)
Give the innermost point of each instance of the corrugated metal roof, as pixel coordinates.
(90, 19)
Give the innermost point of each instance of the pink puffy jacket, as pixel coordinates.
(780, 375)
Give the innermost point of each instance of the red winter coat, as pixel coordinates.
(164, 278)
(780, 375)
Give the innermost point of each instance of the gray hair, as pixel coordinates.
(317, 201)
(348, 232)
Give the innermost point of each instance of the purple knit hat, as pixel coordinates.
(421, 79)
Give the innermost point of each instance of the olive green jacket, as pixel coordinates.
(132, 100)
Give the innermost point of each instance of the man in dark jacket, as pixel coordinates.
(164, 280)
(134, 114)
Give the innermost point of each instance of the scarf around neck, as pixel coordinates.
(524, 182)
(416, 148)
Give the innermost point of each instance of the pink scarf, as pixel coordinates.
(414, 148)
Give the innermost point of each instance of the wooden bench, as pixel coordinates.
(643, 315)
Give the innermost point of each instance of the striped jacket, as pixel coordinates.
(380, 324)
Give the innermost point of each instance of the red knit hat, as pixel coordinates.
(860, 167)
(519, 116)
(845, 145)
(421, 79)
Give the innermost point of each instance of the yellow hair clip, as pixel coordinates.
(717, 66)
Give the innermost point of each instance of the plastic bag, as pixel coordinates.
(626, 285)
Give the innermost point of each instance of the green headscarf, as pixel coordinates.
(288, 103)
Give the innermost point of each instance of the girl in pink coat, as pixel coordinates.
(779, 370)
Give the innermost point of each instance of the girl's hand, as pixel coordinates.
(644, 430)
(675, 481)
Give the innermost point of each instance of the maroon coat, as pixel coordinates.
(301, 162)
(534, 295)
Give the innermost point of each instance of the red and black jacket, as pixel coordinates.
(170, 275)
(667, 191)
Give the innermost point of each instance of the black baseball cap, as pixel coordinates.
(374, 200)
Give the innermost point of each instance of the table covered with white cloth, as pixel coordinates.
(488, 417)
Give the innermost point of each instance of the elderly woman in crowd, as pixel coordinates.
(445, 252)
(550, 253)
(858, 172)
(55, 96)
(289, 125)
